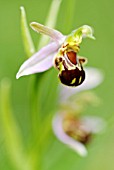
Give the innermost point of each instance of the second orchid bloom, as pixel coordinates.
(61, 52)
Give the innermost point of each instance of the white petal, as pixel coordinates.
(93, 124)
(52, 33)
(40, 61)
(63, 137)
(92, 79)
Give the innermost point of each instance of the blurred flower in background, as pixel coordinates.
(69, 126)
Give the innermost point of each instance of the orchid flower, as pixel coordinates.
(68, 126)
(75, 132)
(61, 53)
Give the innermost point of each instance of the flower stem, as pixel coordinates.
(70, 9)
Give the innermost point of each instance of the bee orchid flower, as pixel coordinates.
(61, 53)
(76, 132)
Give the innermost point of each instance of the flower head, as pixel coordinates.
(76, 132)
(61, 52)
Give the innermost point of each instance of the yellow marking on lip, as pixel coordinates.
(80, 79)
(73, 81)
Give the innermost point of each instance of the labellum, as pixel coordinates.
(75, 128)
(70, 67)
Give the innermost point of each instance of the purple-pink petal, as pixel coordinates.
(52, 33)
(93, 124)
(40, 61)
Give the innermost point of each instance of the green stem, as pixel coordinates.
(12, 134)
(70, 9)
(35, 116)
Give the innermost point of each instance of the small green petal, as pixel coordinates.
(77, 35)
(87, 31)
(27, 40)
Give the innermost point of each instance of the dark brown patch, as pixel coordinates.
(67, 76)
(72, 57)
(86, 138)
(74, 128)
(57, 62)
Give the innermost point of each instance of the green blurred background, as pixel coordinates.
(100, 54)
